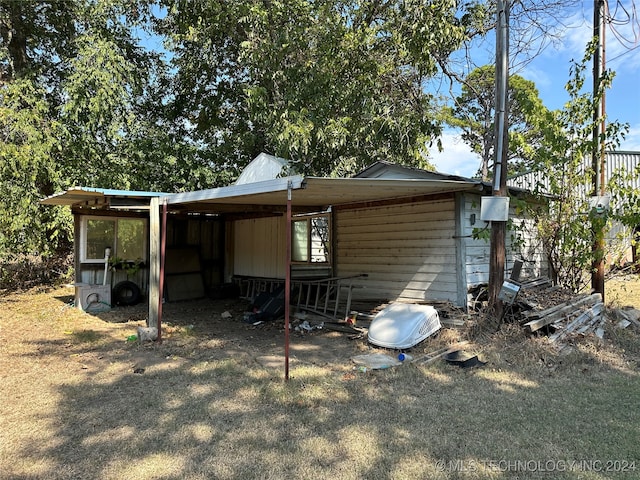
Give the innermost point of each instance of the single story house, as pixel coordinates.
(396, 233)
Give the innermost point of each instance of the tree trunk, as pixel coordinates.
(12, 30)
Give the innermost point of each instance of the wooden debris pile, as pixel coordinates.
(579, 315)
(562, 315)
(628, 316)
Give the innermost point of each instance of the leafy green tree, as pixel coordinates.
(34, 36)
(73, 80)
(30, 139)
(474, 114)
(563, 161)
(331, 85)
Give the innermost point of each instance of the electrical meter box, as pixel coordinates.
(494, 209)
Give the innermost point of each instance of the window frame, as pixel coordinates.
(308, 218)
(84, 228)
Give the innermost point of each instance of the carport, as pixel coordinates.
(283, 196)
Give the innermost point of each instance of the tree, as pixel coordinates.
(33, 35)
(29, 140)
(72, 83)
(474, 113)
(565, 173)
(330, 85)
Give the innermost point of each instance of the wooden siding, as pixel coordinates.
(521, 243)
(407, 250)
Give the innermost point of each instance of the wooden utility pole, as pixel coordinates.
(497, 258)
(597, 156)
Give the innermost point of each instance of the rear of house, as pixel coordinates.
(392, 233)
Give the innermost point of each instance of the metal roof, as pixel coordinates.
(314, 192)
(384, 169)
(88, 196)
(311, 193)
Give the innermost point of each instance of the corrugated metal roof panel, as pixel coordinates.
(614, 162)
(318, 192)
(82, 195)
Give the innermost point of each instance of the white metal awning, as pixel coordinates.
(311, 193)
(317, 192)
(90, 197)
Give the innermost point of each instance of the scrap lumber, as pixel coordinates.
(589, 317)
(452, 322)
(622, 324)
(575, 300)
(536, 283)
(631, 315)
(537, 320)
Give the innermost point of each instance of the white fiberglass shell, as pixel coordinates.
(403, 325)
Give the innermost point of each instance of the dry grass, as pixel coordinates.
(204, 404)
(623, 291)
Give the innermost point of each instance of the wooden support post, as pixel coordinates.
(154, 261)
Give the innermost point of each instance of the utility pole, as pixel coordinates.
(597, 156)
(497, 255)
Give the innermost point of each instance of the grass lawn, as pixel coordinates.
(202, 407)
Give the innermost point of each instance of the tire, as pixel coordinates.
(125, 293)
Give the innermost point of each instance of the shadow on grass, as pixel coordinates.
(191, 413)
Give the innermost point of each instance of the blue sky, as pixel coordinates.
(550, 72)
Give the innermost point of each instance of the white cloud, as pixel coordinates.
(621, 36)
(456, 157)
(632, 141)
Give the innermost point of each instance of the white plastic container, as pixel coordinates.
(93, 298)
(403, 325)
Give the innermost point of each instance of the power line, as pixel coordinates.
(620, 17)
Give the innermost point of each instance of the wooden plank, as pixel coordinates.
(399, 251)
(188, 286)
(435, 355)
(460, 248)
(632, 316)
(182, 260)
(367, 219)
(393, 275)
(537, 283)
(414, 231)
(154, 262)
(588, 315)
(566, 311)
(352, 258)
(398, 239)
(434, 207)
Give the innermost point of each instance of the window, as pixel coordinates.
(127, 238)
(310, 239)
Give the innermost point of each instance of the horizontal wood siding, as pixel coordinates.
(407, 250)
(521, 243)
(260, 247)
